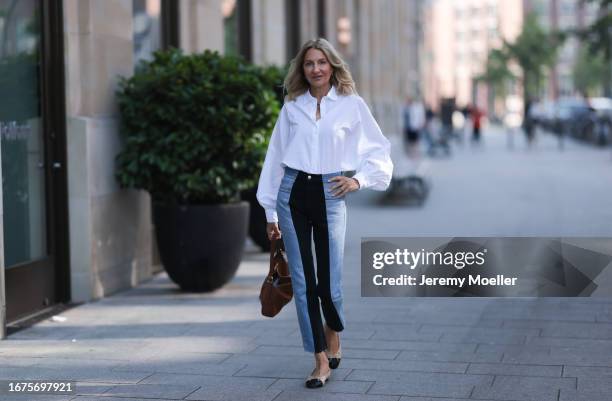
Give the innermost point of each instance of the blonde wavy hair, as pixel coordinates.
(295, 82)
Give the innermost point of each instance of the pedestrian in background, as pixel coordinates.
(528, 123)
(428, 130)
(414, 122)
(323, 130)
(476, 116)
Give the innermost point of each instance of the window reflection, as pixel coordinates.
(21, 133)
(230, 26)
(147, 29)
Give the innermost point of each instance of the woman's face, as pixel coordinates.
(317, 69)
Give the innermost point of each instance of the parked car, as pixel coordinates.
(574, 117)
(603, 112)
(543, 114)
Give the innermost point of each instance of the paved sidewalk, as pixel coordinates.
(155, 343)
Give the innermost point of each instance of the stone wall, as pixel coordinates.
(269, 39)
(110, 228)
(201, 25)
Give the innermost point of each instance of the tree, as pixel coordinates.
(598, 38)
(589, 72)
(497, 74)
(534, 50)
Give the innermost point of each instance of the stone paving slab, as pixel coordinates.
(169, 391)
(393, 333)
(93, 388)
(404, 365)
(100, 349)
(492, 327)
(73, 363)
(410, 398)
(587, 372)
(233, 395)
(351, 352)
(103, 398)
(173, 366)
(604, 317)
(36, 397)
(420, 384)
(585, 344)
(217, 387)
(600, 331)
(409, 345)
(456, 356)
(212, 383)
(88, 398)
(512, 348)
(324, 396)
(333, 386)
(569, 395)
(286, 367)
(17, 362)
(72, 373)
(524, 388)
(561, 356)
(214, 344)
(596, 384)
(483, 338)
(209, 330)
(444, 318)
(514, 370)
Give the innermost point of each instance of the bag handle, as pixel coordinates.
(274, 248)
(277, 250)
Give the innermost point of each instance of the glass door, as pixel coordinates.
(28, 162)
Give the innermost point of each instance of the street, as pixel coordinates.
(154, 342)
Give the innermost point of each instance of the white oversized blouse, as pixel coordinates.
(345, 138)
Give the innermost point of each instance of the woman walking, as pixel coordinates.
(323, 130)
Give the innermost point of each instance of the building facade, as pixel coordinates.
(457, 40)
(68, 233)
(563, 15)
(459, 34)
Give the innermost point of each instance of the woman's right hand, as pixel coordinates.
(273, 231)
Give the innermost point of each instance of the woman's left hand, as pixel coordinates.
(343, 185)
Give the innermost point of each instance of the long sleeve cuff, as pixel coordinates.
(360, 177)
(271, 216)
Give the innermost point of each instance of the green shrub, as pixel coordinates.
(196, 127)
(272, 77)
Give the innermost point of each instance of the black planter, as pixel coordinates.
(201, 246)
(257, 220)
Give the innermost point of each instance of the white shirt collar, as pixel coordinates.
(306, 97)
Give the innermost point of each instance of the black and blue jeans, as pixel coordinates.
(308, 211)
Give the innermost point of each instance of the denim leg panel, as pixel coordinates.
(336, 223)
(290, 239)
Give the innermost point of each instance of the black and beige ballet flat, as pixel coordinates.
(317, 381)
(334, 359)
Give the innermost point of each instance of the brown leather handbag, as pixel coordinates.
(276, 290)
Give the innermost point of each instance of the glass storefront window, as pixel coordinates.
(230, 26)
(21, 133)
(147, 29)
